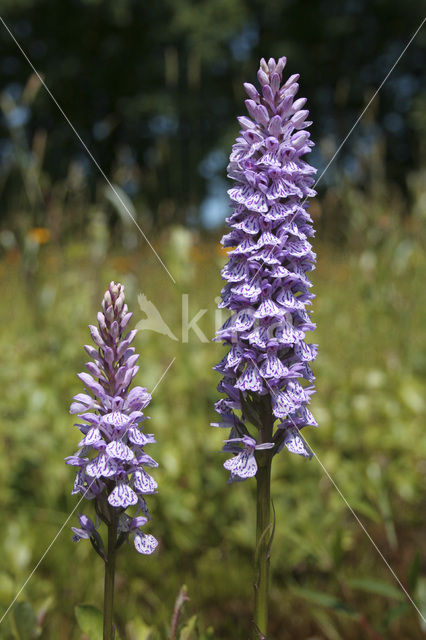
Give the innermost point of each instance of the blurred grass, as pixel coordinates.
(328, 581)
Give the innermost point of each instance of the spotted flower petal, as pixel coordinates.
(295, 443)
(101, 466)
(116, 419)
(117, 449)
(122, 496)
(145, 543)
(143, 482)
(242, 465)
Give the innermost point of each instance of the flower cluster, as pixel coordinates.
(111, 459)
(268, 288)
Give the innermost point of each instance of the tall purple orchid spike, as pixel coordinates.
(267, 379)
(111, 461)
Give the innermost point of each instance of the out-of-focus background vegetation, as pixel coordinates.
(154, 89)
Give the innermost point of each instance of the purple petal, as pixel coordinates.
(306, 352)
(282, 404)
(122, 496)
(146, 460)
(144, 483)
(96, 336)
(90, 383)
(77, 407)
(268, 309)
(250, 379)
(137, 399)
(101, 466)
(84, 398)
(273, 368)
(76, 461)
(93, 435)
(137, 522)
(295, 443)
(139, 438)
(79, 534)
(86, 523)
(116, 419)
(78, 486)
(145, 543)
(265, 445)
(243, 465)
(235, 270)
(117, 449)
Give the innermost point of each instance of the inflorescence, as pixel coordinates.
(111, 459)
(268, 288)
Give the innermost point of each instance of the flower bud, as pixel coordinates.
(252, 92)
(262, 77)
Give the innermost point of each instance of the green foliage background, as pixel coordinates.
(327, 577)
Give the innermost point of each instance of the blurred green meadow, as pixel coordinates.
(328, 580)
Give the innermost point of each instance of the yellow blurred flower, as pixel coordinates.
(124, 264)
(39, 235)
(223, 251)
(199, 254)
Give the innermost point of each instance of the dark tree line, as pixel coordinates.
(154, 87)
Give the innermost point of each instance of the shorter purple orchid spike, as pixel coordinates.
(111, 459)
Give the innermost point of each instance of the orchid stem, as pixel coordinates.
(109, 631)
(263, 534)
(264, 527)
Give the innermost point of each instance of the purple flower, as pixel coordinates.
(111, 459)
(87, 529)
(144, 543)
(266, 371)
(244, 464)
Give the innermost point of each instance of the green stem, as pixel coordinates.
(264, 527)
(109, 632)
(263, 536)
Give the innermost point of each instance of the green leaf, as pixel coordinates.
(337, 547)
(189, 631)
(365, 509)
(420, 597)
(323, 600)
(90, 620)
(327, 624)
(376, 586)
(25, 621)
(138, 630)
(397, 612)
(414, 571)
